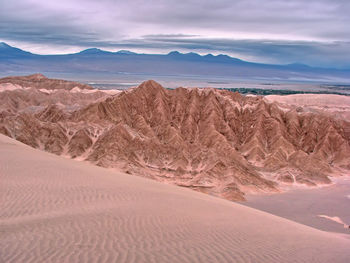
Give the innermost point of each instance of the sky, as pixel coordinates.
(312, 32)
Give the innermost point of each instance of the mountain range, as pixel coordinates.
(99, 62)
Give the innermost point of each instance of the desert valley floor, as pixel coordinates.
(60, 210)
(325, 208)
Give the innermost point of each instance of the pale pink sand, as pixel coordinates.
(59, 210)
(337, 105)
(321, 100)
(305, 205)
(335, 219)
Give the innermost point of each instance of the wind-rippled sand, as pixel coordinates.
(59, 210)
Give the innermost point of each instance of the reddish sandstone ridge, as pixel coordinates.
(213, 141)
(39, 81)
(35, 92)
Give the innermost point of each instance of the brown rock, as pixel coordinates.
(213, 141)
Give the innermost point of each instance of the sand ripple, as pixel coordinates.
(60, 210)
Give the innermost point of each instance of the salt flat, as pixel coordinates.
(59, 210)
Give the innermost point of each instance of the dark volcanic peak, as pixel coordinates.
(213, 141)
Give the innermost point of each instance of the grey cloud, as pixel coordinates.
(314, 32)
(155, 36)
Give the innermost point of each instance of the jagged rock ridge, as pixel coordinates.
(213, 141)
(33, 93)
(39, 81)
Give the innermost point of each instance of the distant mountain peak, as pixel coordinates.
(4, 45)
(189, 54)
(126, 52)
(7, 51)
(93, 51)
(174, 53)
(209, 55)
(224, 56)
(193, 54)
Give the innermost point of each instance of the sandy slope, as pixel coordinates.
(59, 210)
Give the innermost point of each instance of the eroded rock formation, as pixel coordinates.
(213, 141)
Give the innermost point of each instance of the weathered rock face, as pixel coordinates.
(31, 94)
(213, 141)
(39, 81)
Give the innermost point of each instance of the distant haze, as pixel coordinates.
(314, 32)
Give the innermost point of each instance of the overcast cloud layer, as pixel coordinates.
(314, 32)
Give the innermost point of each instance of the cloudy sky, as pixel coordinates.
(314, 32)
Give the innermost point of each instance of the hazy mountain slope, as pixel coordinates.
(99, 62)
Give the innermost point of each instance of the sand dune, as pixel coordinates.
(59, 210)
